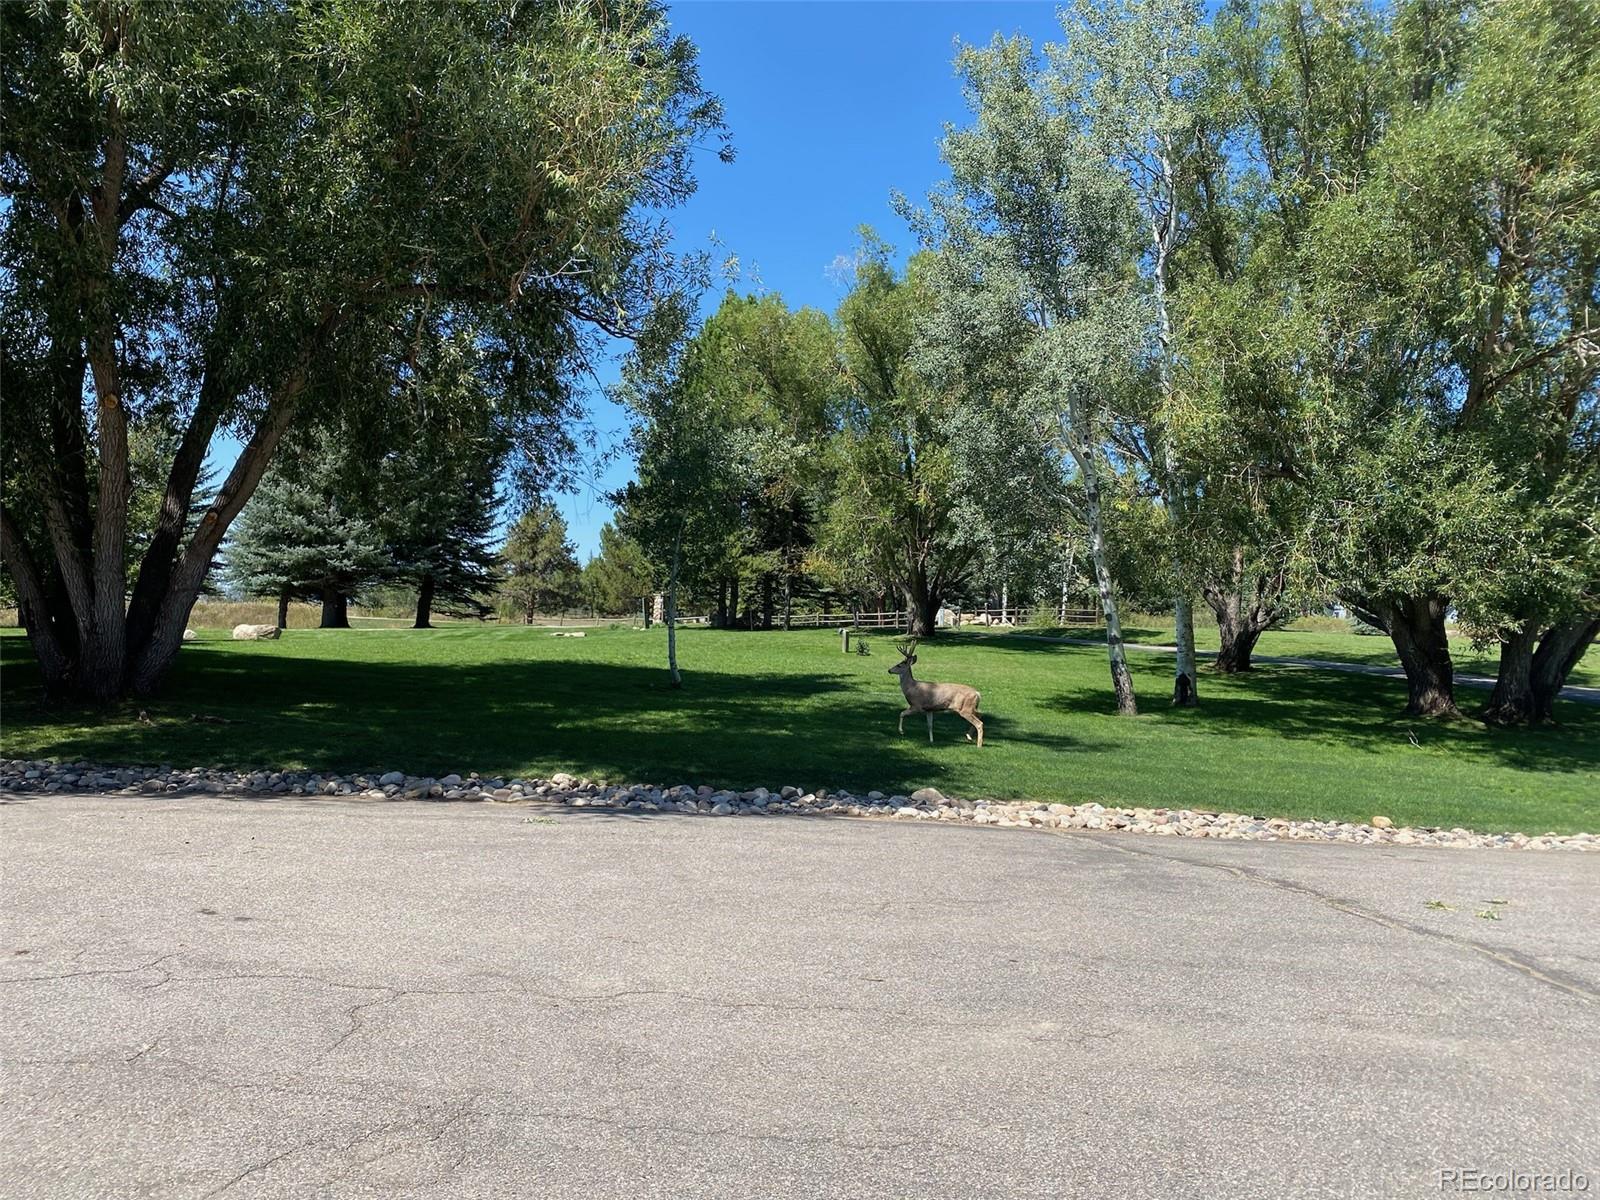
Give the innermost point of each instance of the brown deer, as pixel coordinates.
(923, 696)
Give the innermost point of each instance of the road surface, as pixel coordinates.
(210, 997)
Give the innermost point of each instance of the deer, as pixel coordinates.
(925, 696)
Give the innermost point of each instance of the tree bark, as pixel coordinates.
(671, 611)
(1083, 452)
(1416, 626)
(424, 603)
(54, 663)
(1238, 627)
(283, 607)
(766, 601)
(1559, 652)
(161, 556)
(1511, 702)
(335, 609)
(154, 658)
(923, 601)
(1185, 691)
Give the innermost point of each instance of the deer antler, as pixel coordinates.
(907, 649)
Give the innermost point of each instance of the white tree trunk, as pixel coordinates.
(1083, 452)
(671, 612)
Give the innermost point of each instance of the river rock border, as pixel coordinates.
(925, 804)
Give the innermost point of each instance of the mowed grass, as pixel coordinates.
(775, 709)
(1335, 647)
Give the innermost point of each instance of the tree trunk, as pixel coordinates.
(424, 603)
(733, 602)
(671, 612)
(1511, 702)
(335, 609)
(1240, 628)
(1559, 652)
(1083, 452)
(1185, 693)
(788, 601)
(1416, 625)
(766, 601)
(283, 608)
(923, 601)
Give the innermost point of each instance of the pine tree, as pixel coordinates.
(619, 575)
(541, 566)
(439, 516)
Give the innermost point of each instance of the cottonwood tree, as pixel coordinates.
(1037, 237)
(895, 500)
(221, 208)
(1129, 72)
(774, 373)
(683, 507)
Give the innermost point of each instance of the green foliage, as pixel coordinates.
(540, 566)
(309, 531)
(228, 215)
(616, 578)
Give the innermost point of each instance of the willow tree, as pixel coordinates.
(215, 212)
(1035, 271)
(1459, 280)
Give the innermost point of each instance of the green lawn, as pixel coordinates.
(777, 708)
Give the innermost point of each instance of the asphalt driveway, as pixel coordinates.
(207, 997)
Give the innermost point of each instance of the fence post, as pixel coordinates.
(844, 639)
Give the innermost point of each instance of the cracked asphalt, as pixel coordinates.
(209, 997)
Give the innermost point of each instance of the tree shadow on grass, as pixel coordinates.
(1355, 711)
(622, 722)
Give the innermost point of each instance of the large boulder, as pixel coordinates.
(255, 633)
(190, 635)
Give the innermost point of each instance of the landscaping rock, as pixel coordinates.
(924, 804)
(255, 633)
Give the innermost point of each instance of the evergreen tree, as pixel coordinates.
(437, 485)
(540, 565)
(307, 533)
(619, 575)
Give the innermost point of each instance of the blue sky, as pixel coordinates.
(832, 106)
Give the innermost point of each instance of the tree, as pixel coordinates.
(683, 507)
(309, 531)
(1129, 71)
(774, 373)
(1458, 283)
(1036, 239)
(894, 509)
(539, 563)
(616, 578)
(229, 208)
(448, 442)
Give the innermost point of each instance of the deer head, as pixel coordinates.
(908, 656)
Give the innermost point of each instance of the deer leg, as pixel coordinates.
(908, 712)
(930, 727)
(976, 724)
